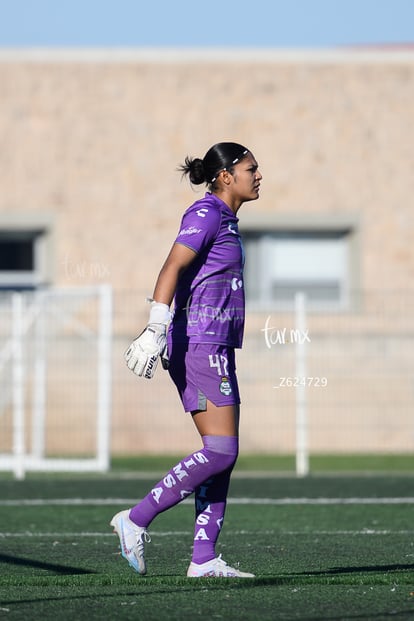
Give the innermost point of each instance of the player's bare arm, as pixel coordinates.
(143, 353)
(178, 260)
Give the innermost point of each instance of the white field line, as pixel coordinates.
(236, 501)
(242, 533)
(46, 502)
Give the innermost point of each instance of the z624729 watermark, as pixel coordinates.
(294, 382)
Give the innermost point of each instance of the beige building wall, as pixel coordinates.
(90, 142)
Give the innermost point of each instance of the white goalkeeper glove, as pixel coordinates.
(144, 352)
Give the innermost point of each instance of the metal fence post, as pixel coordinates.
(302, 450)
(104, 376)
(18, 386)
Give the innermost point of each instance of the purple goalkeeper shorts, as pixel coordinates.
(204, 372)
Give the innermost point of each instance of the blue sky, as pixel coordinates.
(240, 23)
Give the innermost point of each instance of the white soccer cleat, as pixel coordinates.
(132, 539)
(216, 568)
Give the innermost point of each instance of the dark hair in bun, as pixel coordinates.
(194, 168)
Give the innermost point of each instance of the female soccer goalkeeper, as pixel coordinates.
(204, 274)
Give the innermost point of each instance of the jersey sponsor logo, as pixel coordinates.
(191, 230)
(232, 227)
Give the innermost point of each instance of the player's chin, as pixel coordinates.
(253, 196)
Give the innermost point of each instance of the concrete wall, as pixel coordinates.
(90, 141)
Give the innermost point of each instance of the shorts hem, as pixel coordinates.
(203, 409)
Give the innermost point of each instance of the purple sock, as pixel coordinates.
(210, 506)
(218, 454)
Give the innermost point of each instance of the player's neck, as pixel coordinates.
(230, 201)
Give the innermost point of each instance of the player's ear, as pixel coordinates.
(226, 177)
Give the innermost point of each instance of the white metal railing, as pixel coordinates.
(31, 329)
(302, 448)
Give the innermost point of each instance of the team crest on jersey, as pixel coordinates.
(225, 387)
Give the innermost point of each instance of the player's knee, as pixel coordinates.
(223, 450)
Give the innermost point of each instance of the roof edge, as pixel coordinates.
(189, 55)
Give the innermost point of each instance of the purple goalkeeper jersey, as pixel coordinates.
(209, 299)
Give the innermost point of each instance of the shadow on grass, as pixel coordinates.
(29, 562)
(150, 590)
(323, 616)
(334, 571)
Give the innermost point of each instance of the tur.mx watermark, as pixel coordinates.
(85, 269)
(282, 336)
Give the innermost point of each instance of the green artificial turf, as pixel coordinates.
(324, 547)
